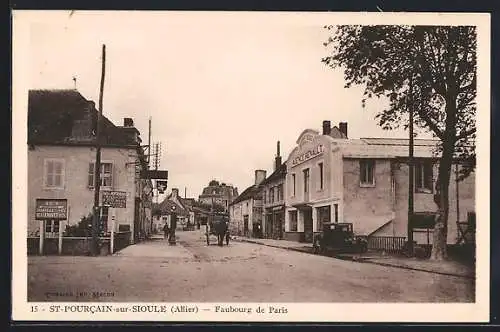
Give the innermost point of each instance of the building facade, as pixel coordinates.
(173, 205)
(218, 193)
(61, 161)
(365, 182)
(273, 200)
(246, 211)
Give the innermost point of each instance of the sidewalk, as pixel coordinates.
(451, 268)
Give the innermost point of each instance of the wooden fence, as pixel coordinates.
(390, 244)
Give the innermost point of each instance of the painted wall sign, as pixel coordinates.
(51, 209)
(309, 154)
(114, 199)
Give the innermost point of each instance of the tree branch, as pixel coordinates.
(466, 134)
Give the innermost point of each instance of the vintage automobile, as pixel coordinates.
(339, 238)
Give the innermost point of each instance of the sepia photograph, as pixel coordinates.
(250, 166)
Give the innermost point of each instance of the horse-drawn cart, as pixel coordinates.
(218, 226)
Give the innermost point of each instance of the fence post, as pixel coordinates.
(42, 233)
(60, 237)
(112, 240)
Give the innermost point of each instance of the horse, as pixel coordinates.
(220, 229)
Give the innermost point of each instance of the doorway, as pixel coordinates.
(308, 225)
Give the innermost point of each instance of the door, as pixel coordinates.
(245, 225)
(308, 225)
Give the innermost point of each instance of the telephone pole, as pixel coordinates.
(97, 167)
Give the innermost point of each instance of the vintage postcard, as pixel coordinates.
(250, 166)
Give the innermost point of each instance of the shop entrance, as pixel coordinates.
(308, 225)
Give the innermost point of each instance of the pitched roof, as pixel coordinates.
(280, 172)
(251, 192)
(66, 117)
(168, 206)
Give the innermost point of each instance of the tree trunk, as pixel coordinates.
(441, 198)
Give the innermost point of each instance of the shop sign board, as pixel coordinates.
(52, 209)
(114, 199)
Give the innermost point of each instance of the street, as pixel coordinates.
(191, 271)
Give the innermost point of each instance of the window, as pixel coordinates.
(320, 166)
(367, 172)
(106, 174)
(323, 215)
(51, 226)
(293, 184)
(306, 180)
(264, 198)
(280, 192)
(336, 211)
(54, 173)
(423, 177)
(293, 221)
(271, 195)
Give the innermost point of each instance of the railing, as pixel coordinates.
(390, 244)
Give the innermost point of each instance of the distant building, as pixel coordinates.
(273, 198)
(61, 161)
(365, 182)
(218, 193)
(245, 212)
(173, 205)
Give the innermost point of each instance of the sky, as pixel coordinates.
(221, 89)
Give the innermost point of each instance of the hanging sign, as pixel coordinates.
(56, 209)
(114, 199)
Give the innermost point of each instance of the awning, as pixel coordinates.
(302, 206)
(367, 225)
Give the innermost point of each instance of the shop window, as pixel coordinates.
(293, 221)
(367, 177)
(106, 175)
(320, 166)
(53, 173)
(423, 177)
(323, 215)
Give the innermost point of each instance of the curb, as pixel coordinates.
(346, 258)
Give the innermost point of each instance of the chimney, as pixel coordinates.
(175, 192)
(343, 128)
(260, 175)
(277, 160)
(327, 127)
(128, 122)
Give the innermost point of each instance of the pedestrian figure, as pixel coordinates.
(166, 231)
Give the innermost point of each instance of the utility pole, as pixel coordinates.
(97, 167)
(149, 140)
(411, 171)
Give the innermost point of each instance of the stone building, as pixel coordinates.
(365, 182)
(273, 199)
(61, 161)
(245, 212)
(218, 193)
